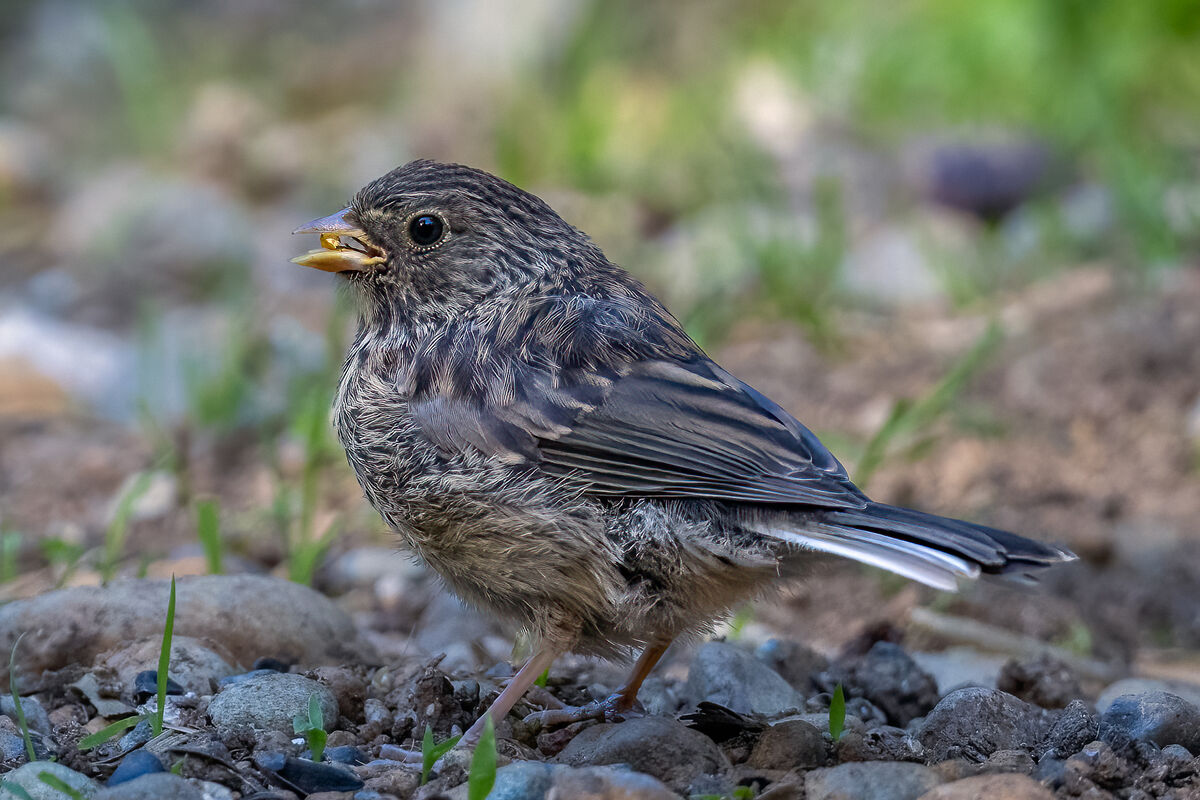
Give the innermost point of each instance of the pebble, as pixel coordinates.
(536, 780)
(788, 745)
(794, 662)
(991, 787)
(1188, 691)
(156, 786)
(976, 722)
(309, 776)
(35, 714)
(658, 746)
(268, 702)
(26, 776)
(1071, 730)
(346, 754)
(273, 615)
(871, 780)
(1043, 681)
(135, 765)
(1157, 716)
(195, 665)
(725, 674)
(397, 780)
(145, 686)
(893, 682)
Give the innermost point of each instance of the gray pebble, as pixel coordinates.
(268, 702)
(156, 786)
(35, 716)
(1158, 717)
(725, 674)
(658, 746)
(26, 776)
(871, 780)
(893, 682)
(975, 722)
(788, 745)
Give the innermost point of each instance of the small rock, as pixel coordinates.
(145, 686)
(520, 780)
(658, 746)
(890, 679)
(729, 676)
(884, 743)
(135, 765)
(606, 783)
(346, 754)
(1072, 729)
(991, 787)
(1043, 681)
(872, 780)
(35, 715)
(268, 702)
(976, 722)
(196, 665)
(794, 662)
(1188, 691)
(270, 663)
(271, 614)
(348, 685)
(392, 779)
(1158, 717)
(26, 776)
(152, 787)
(790, 744)
(309, 776)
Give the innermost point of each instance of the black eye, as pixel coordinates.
(426, 229)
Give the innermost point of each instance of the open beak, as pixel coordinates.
(336, 254)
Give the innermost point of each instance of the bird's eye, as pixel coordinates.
(426, 229)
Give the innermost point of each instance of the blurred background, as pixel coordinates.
(960, 241)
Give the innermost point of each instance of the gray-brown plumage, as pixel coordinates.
(541, 432)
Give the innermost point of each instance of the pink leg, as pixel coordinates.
(515, 690)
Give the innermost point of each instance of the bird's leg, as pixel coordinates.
(619, 702)
(513, 692)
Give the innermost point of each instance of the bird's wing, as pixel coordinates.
(613, 397)
(672, 429)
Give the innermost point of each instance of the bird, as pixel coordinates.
(542, 433)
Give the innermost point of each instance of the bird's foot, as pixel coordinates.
(612, 709)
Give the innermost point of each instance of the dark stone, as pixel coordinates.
(725, 674)
(308, 777)
(1044, 681)
(135, 765)
(987, 180)
(884, 743)
(658, 746)
(346, 754)
(893, 682)
(790, 744)
(1074, 727)
(794, 662)
(973, 723)
(272, 664)
(145, 686)
(1158, 717)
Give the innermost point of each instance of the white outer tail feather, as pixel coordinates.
(919, 562)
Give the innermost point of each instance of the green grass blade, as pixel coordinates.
(16, 696)
(482, 776)
(55, 782)
(16, 789)
(164, 662)
(114, 535)
(208, 529)
(837, 713)
(107, 732)
(431, 752)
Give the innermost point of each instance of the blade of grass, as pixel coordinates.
(107, 732)
(57, 783)
(164, 662)
(431, 752)
(837, 713)
(208, 529)
(482, 775)
(16, 696)
(17, 790)
(114, 535)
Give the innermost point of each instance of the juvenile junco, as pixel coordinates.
(541, 432)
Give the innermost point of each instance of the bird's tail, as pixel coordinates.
(936, 551)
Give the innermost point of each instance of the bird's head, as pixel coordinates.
(431, 240)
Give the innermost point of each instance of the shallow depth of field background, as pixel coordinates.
(960, 241)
